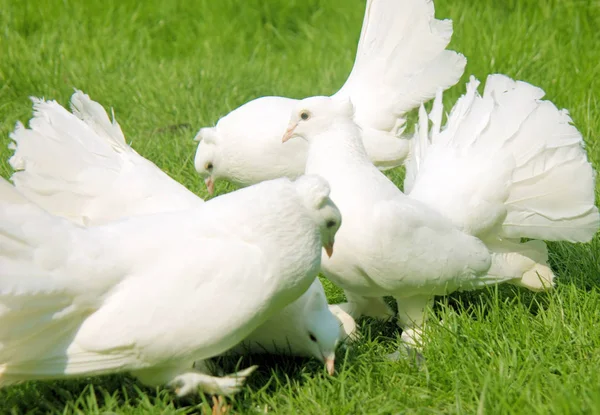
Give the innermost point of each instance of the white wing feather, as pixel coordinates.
(400, 63)
(79, 166)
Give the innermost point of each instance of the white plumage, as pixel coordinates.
(79, 166)
(502, 168)
(291, 330)
(540, 152)
(401, 61)
(72, 165)
(152, 294)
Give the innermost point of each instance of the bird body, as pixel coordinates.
(79, 166)
(500, 170)
(404, 246)
(400, 62)
(152, 293)
(98, 292)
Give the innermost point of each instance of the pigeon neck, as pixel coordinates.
(341, 141)
(338, 151)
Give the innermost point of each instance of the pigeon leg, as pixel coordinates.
(411, 319)
(185, 379)
(358, 306)
(189, 382)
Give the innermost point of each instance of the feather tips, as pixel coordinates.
(505, 163)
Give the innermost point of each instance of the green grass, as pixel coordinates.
(160, 64)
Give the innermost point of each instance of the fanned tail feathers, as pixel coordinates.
(400, 63)
(421, 139)
(505, 164)
(44, 297)
(61, 158)
(94, 116)
(79, 166)
(401, 58)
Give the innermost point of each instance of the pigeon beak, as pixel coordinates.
(210, 184)
(330, 365)
(329, 249)
(289, 132)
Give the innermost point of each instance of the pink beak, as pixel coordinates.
(210, 185)
(289, 132)
(330, 365)
(329, 249)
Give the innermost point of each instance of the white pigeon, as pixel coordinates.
(79, 166)
(287, 331)
(401, 61)
(502, 169)
(153, 293)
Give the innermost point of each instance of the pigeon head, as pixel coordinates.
(316, 114)
(319, 333)
(314, 192)
(305, 328)
(244, 146)
(207, 157)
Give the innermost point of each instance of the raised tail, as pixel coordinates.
(79, 166)
(551, 195)
(400, 63)
(51, 280)
(507, 165)
(60, 159)
(32, 246)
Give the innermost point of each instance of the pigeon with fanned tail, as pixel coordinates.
(79, 166)
(401, 61)
(501, 169)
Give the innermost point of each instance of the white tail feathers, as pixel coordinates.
(523, 264)
(401, 60)
(95, 117)
(44, 295)
(400, 63)
(8, 194)
(60, 158)
(29, 238)
(79, 166)
(506, 165)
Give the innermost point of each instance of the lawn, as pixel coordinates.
(169, 68)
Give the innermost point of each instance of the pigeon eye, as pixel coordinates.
(330, 223)
(304, 115)
(312, 337)
(208, 166)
